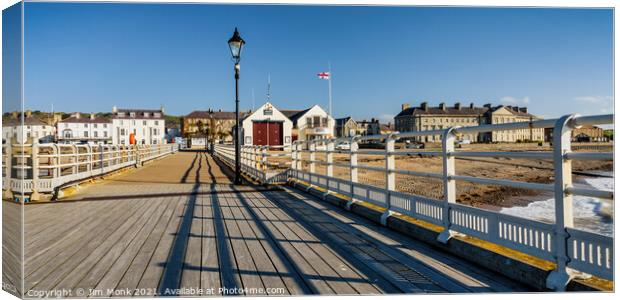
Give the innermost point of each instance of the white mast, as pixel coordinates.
(253, 100)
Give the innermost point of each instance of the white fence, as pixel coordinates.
(571, 249)
(265, 164)
(29, 168)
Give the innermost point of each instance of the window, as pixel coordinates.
(133, 122)
(324, 122)
(144, 122)
(95, 134)
(105, 134)
(95, 125)
(308, 122)
(105, 125)
(132, 114)
(146, 115)
(122, 131)
(316, 122)
(85, 133)
(157, 115)
(156, 122)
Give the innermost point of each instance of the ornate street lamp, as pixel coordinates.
(235, 43)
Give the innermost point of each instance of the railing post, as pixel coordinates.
(559, 278)
(329, 160)
(89, 166)
(76, 159)
(34, 196)
(101, 158)
(299, 156)
(312, 148)
(449, 185)
(390, 177)
(354, 146)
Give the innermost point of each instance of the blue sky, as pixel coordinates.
(89, 57)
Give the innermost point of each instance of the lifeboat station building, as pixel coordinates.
(267, 126)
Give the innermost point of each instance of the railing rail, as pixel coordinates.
(572, 250)
(41, 168)
(265, 164)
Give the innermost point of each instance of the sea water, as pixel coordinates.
(590, 214)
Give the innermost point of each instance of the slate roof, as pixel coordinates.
(140, 114)
(85, 119)
(463, 111)
(223, 115)
(32, 121)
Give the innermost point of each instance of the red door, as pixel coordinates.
(267, 133)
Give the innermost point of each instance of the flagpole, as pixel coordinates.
(329, 83)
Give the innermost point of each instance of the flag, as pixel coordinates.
(324, 75)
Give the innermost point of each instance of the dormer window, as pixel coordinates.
(146, 115)
(121, 114)
(157, 115)
(132, 114)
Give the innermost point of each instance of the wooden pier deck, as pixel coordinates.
(178, 227)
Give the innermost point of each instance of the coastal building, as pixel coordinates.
(14, 131)
(425, 117)
(209, 124)
(371, 127)
(311, 124)
(266, 126)
(89, 129)
(345, 127)
(142, 126)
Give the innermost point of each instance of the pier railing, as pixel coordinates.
(575, 252)
(41, 168)
(265, 164)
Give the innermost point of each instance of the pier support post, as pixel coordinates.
(449, 185)
(559, 278)
(390, 177)
(354, 146)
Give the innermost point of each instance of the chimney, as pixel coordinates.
(219, 110)
(92, 116)
(523, 109)
(471, 105)
(457, 105)
(77, 115)
(442, 105)
(424, 106)
(515, 108)
(488, 105)
(114, 109)
(404, 106)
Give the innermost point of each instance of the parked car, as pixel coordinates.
(414, 145)
(343, 146)
(463, 142)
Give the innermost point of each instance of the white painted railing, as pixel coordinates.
(571, 249)
(265, 164)
(41, 168)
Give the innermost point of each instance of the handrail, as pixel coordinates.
(553, 241)
(41, 168)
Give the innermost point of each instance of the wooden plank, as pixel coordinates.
(245, 265)
(153, 273)
(136, 270)
(70, 262)
(85, 266)
(118, 246)
(72, 246)
(114, 274)
(192, 264)
(210, 269)
(309, 274)
(264, 266)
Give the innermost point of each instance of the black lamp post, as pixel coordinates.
(236, 43)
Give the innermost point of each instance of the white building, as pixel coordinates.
(146, 126)
(311, 124)
(32, 128)
(84, 129)
(266, 126)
